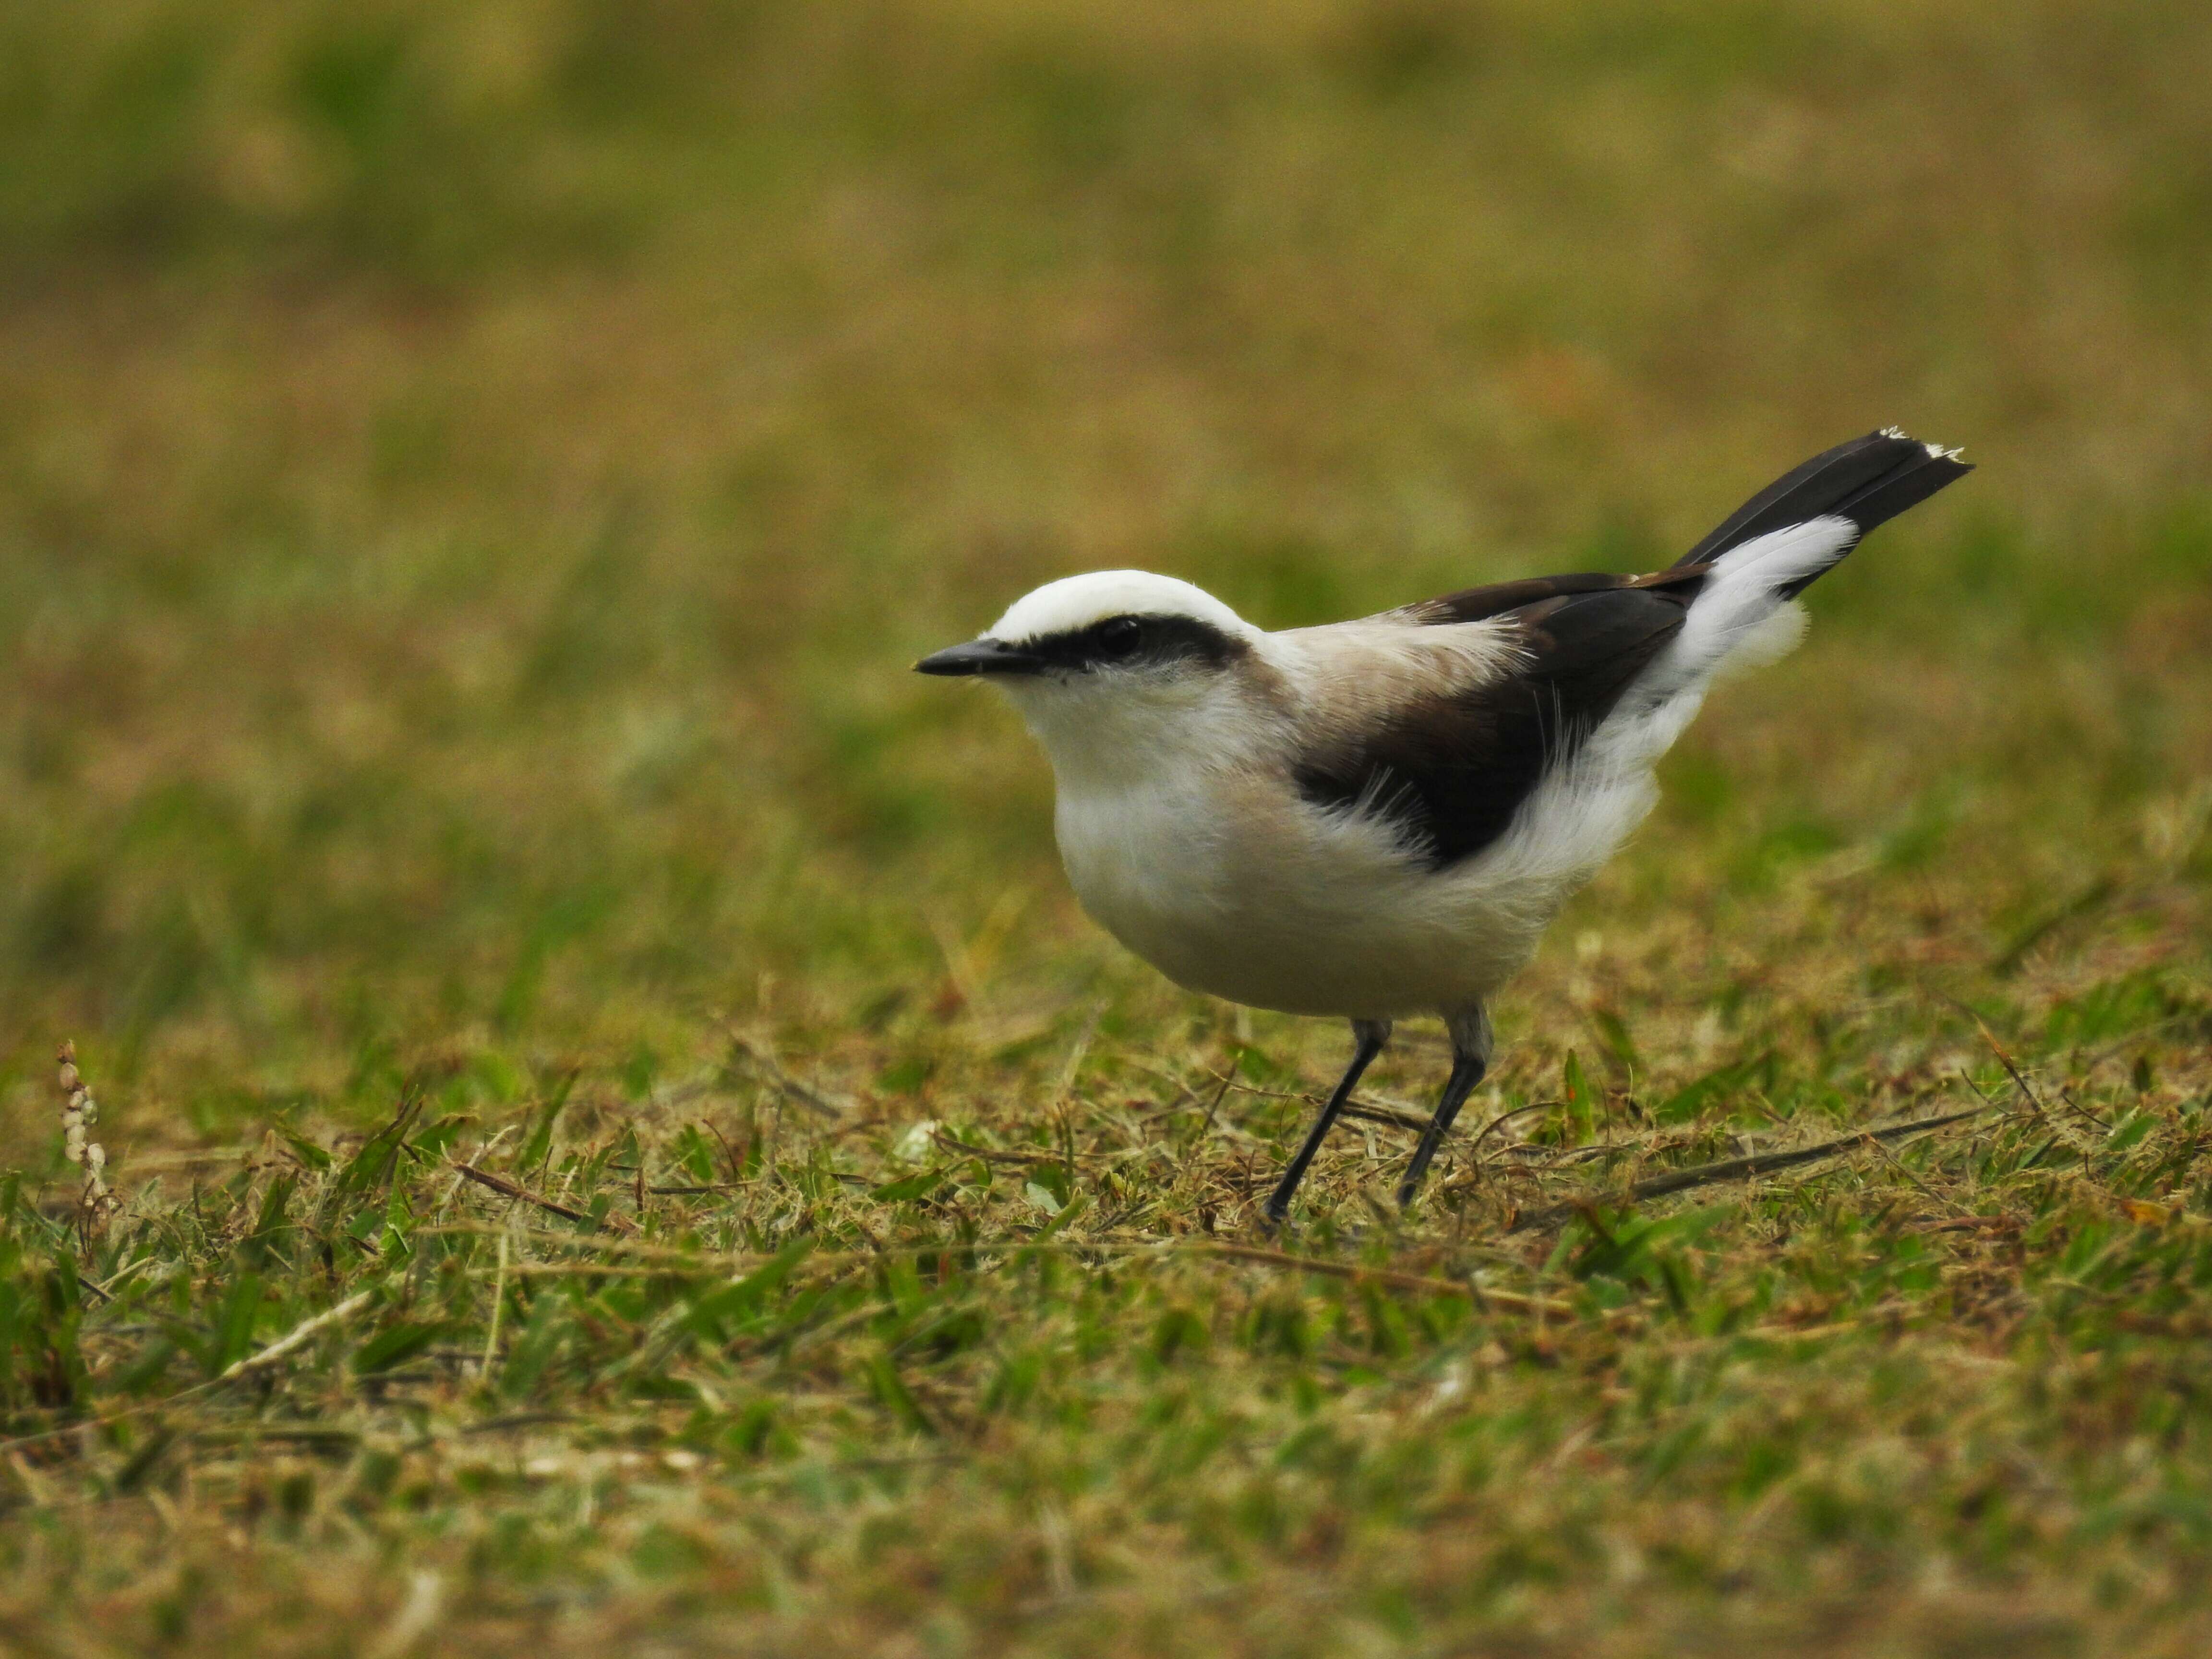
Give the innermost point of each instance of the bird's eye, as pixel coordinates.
(1121, 636)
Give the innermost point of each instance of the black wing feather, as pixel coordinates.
(1455, 771)
(1478, 603)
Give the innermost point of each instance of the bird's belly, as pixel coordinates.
(1226, 890)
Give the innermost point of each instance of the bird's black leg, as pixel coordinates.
(1368, 1036)
(1472, 1040)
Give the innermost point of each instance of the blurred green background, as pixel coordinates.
(473, 475)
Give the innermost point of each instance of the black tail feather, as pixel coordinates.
(1868, 481)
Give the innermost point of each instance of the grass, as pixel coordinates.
(472, 480)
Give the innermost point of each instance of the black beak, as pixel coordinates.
(982, 657)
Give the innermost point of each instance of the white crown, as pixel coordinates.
(1076, 602)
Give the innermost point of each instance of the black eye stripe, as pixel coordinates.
(1138, 642)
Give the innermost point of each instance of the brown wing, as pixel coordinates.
(1455, 771)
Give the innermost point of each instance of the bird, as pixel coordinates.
(1377, 818)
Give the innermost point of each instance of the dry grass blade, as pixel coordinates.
(1390, 1116)
(506, 1189)
(992, 1154)
(773, 1073)
(299, 1336)
(1372, 1111)
(2012, 1069)
(1736, 1168)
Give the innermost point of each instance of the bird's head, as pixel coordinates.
(1109, 656)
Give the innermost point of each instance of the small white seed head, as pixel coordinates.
(79, 1113)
